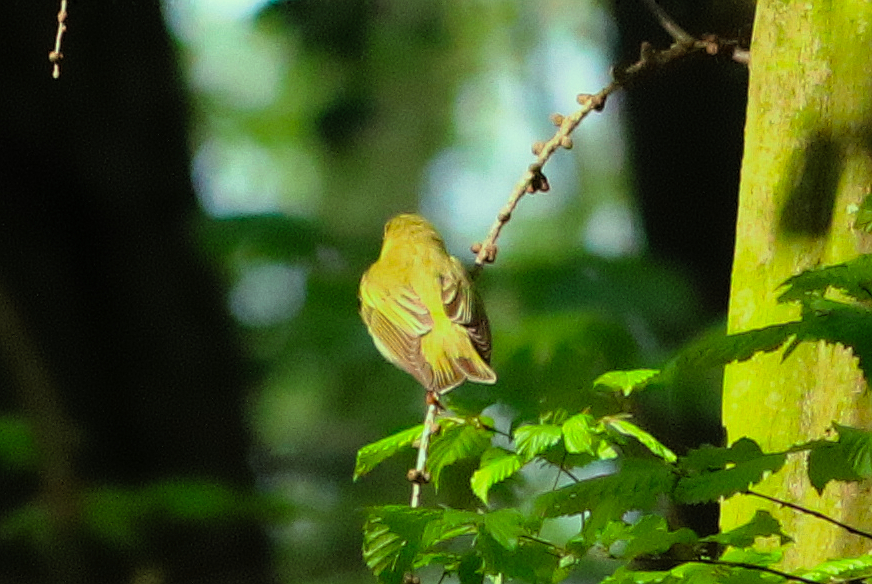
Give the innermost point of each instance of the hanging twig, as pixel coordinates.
(56, 55)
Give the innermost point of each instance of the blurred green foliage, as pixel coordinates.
(314, 121)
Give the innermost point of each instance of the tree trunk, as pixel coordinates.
(807, 167)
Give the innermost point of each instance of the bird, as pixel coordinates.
(421, 310)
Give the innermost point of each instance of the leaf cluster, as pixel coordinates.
(613, 479)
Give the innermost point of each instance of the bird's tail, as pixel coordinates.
(453, 358)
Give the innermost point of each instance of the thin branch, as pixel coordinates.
(533, 180)
(772, 571)
(742, 56)
(811, 512)
(418, 475)
(56, 55)
(677, 33)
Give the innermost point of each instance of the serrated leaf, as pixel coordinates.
(842, 570)
(709, 479)
(580, 434)
(718, 350)
(836, 322)
(858, 446)
(853, 277)
(496, 466)
(636, 485)
(529, 561)
(626, 381)
(761, 525)
(709, 458)
(453, 444)
(829, 463)
(392, 539)
(628, 428)
(373, 454)
(453, 523)
(650, 535)
(505, 526)
(534, 439)
(847, 459)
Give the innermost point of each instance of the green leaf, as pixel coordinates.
(627, 428)
(626, 381)
(528, 561)
(373, 454)
(505, 526)
(853, 277)
(749, 555)
(713, 473)
(829, 463)
(580, 434)
(761, 525)
(453, 523)
(650, 535)
(637, 484)
(842, 570)
(534, 439)
(858, 447)
(392, 539)
(455, 443)
(848, 459)
(834, 322)
(470, 569)
(718, 350)
(709, 458)
(496, 466)
(624, 575)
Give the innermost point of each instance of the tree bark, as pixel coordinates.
(807, 167)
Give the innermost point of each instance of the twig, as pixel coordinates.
(772, 571)
(811, 512)
(418, 475)
(742, 56)
(533, 180)
(56, 55)
(677, 33)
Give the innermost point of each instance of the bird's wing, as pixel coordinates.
(397, 319)
(463, 306)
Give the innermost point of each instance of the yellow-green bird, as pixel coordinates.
(420, 309)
